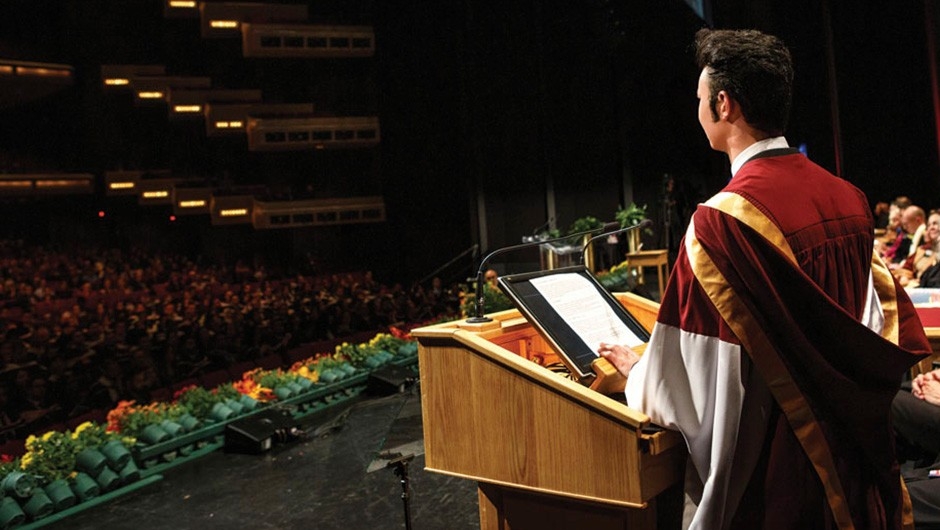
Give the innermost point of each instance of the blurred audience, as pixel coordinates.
(85, 327)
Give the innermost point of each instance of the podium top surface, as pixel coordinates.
(479, 338)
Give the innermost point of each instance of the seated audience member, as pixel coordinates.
(881, 212)
(889, 244)
(492, 278)
(913, 221)
(924, 257)
(916, 417)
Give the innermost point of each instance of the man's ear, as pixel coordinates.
(727, 108)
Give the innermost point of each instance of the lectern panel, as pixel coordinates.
(487, 422)
(538, 443)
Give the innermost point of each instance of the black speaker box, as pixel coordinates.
(259, 432)
(390, 379)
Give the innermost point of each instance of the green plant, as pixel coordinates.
(90, 434)
(199, 401)
(276, 378)
(493, 300)
(387, 342)
(547, 233)
(584, 224)
(631, 215)
(366, 354)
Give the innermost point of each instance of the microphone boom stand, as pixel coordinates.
(480, 317)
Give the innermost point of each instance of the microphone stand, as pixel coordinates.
(480, 317)
(642, 224)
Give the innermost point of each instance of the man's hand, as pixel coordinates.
(622, 357)
(919, 382)
(931, 391)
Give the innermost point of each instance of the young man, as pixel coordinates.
(781, 339)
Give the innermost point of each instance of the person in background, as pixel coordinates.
(491, 278)
(890, 244)
(914, 223)
(882, 211)
(924, 257)
(772, 353)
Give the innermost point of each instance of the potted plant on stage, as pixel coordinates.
(95, 443)
(11, 514)
(630, 216)
(582, 225)
(50, 459)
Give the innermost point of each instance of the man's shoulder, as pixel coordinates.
(785, 177)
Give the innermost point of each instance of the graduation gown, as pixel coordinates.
(780, 343)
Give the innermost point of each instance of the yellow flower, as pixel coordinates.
(83, 426)
(47, 436)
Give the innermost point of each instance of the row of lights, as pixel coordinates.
(35, 69)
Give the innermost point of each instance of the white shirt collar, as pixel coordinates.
(776, 142)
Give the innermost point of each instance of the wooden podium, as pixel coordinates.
(547, 452)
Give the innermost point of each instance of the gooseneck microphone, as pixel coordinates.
(642, 224)
(480, 317)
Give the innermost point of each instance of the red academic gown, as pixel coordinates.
(777, 360)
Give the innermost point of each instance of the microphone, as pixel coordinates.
(479, 317)
(642, 224)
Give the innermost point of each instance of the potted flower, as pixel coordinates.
(250, 388)
(113, 447)
(50, 456)
(266, 385)
(141, 421)
(204, 404)
(11, 514)
(617, 278)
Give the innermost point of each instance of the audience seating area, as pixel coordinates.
(87, 327)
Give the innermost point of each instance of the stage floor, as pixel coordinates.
(333, 479)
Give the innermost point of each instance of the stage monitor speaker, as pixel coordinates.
(260, 432)
(390, 380)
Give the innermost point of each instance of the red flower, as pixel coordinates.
(180, 392)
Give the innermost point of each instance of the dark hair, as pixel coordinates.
(754, 68)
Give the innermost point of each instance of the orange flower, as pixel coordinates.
(116, 415)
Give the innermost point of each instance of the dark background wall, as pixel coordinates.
(486, 107)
